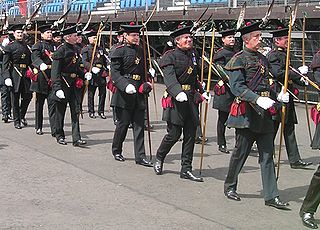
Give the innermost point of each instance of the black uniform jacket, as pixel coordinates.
(277, 59)
(41, 53)
(180, 69)
(99, 61)
(66, 71)
(18, 55)
(223, 102)
(1, 60)
(315, 67)
(127, 67)
(248, 71)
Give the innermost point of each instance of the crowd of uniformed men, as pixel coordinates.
(248, 97)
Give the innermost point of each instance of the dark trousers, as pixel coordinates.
(20, 109)
(312, 199)
(173, 135)
(102, 98)
(244, 142)
(221, 127)
(5, 100)
(125, 117)
(40, 99)
(289, 140)
(52, 114)
(59, 117)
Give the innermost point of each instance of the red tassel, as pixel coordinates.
(223, 90)
(295, 91)
(242, 108)
(238, 109)
(272, 110)
(111, 86)
(315, 115)
(166, 102)
(29, 73)
(234, 109)
(50, 83)
(104, 73)
(219, 90)
(79, 83)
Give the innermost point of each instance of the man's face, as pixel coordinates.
(254, 40)
(132, 38)
(282, 42)
(72, 38)
(79, 39)
(228, 40)
(184, 42)
(18, 34)
(92, 39)
(120, 38)
(47, 35)
(57, 39)
(3, 37)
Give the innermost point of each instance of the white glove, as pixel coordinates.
(304, 81)
(43, 67)
(181, 97)
(204, 85)
(95, 70)
(303, 69)
(88, 76)
(152, 72)
(8, 82)
(169, 43)
(130, 89)
(207, 96)
(265, 102)
(283, 97)
(60, 94)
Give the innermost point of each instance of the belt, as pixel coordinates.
(22, 66)
(264, 93)
(72, 75)
(186, 87)
(49, 66)
(99, 65)
(135, 77)
(81, 65)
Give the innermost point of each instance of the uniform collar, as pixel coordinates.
(280, 49)
(228, 48)
(253, 52)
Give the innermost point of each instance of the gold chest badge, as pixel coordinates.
(190, 69)
(137, 61)
(263, 69)
(23, 56)
(74, 60)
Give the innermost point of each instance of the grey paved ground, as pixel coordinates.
(44, 185)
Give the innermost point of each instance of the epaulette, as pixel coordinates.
(237, 54)
(122, 45)
(231, 65)
(168, 51)
(280, 49)
(272, 51)
(220, 49)
(60, 45)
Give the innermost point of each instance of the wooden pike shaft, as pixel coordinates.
(285, 87)
(150, 66)
(206, 106)
(202, 70)
(305, 91)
